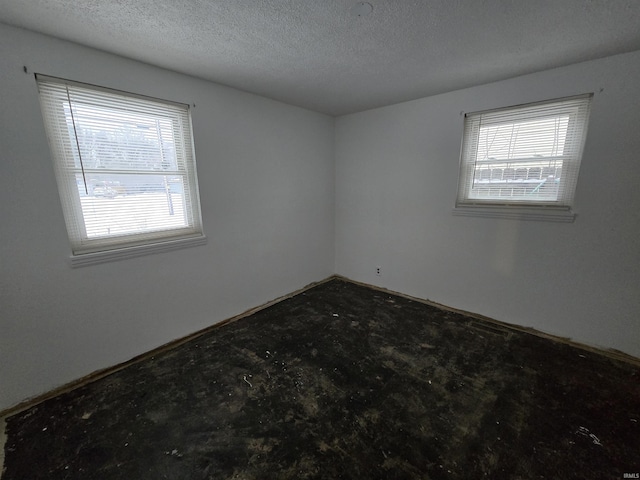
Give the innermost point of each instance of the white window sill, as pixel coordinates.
(94, 258)
(517, 212)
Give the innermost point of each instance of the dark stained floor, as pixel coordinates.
(348, 382)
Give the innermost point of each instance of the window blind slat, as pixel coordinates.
(125, 166)
(523, 155)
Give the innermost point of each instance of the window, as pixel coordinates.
(522, 162)
(125, 168)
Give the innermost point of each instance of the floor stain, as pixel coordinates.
(3, 441)
(345, 382)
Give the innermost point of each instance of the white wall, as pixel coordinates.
(266, 173)
(396, 180)
(266, 182)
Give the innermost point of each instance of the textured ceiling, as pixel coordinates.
(318, 55)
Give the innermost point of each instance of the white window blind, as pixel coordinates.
(527, 155)
(125, 166)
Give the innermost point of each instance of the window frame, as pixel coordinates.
(577, 108)
(64, 147)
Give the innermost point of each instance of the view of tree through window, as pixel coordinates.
(125, 166)
(143, 189)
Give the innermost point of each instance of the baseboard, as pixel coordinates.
(607, 352)
(98, 374)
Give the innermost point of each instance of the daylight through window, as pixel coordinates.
(523, 156)
(125, 166)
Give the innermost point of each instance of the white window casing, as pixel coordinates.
(523, 161)
(126, 170)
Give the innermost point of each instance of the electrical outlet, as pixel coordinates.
(378, 271)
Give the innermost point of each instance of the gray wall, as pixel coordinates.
(266, 183)
(396, 179)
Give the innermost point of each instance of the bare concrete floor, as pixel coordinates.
(343, 381)
(3, 440)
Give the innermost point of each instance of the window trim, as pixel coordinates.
(105, 256)
(555, 211)
(517, 212)
(84, 250)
